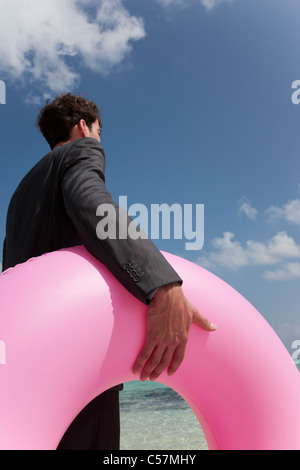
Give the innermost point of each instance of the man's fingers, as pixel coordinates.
(151, 366)
(164, 363)
(143, 357)
(177, 359)
(154, 361)
(169, 318)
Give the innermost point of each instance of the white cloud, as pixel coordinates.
(289, 212)
(287, 273)
(247, 209)
(170, 3)
(229, 253)
(39, 40)
(209, 4)
(281, 249)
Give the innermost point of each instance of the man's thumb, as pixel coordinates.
(203, 322)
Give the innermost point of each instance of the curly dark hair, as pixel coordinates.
(57, 119)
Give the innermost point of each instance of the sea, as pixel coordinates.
(155, 417)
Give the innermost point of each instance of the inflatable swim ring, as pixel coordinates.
(71, 331)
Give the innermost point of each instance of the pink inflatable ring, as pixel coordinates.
(72, 331)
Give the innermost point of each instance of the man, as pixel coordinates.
(55, 207)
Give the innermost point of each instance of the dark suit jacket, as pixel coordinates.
(55, 207)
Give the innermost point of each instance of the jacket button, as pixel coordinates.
(127, 267)
(136, 277)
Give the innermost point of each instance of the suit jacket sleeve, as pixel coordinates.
(136, 263)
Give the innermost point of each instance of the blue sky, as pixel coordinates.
(197, 109)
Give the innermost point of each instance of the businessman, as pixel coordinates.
(55, 207)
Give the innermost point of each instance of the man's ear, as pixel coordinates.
(83, 128)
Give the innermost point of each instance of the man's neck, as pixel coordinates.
(62, 143)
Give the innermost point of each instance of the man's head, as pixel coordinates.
(67, 118)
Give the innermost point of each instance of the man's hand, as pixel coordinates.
(169, 319)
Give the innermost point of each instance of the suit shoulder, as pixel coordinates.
(84, 144)
(83, 153)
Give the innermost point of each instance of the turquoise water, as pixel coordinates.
(154, 417)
